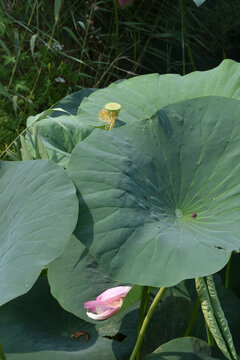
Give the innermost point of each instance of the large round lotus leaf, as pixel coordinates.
(160, 197)
(142, 96)
(188, 348)
(38, 214)
(35, 327)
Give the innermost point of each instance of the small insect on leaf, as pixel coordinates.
(77, 334)
(194, 215)
(220, 247)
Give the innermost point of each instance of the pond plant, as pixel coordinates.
(118, 222)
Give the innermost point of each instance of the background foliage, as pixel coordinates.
(50, 49)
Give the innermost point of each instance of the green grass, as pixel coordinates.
(50, 49)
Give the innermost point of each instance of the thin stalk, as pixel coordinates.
(143, 307)
(2, 355)
(135, 43)
(116, 26)
(116, 20)
(146, 321)
(136, 37)
(183, 41)
(39, 72)
(190, 55)
(149, 38)
(209, 335)
(227, 275)
(45, 54)
(142, 311)
(9, 146)
(20, 49)
(193, 318)
(84, 46)
(37, 18)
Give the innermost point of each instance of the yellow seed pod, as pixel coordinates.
(109, 114)
(112, 106)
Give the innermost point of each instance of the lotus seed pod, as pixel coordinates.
(109, 114)
(113, 107)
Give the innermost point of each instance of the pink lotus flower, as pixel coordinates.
(124, 2)
(107, 303)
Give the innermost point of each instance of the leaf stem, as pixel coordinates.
(146, 321)
(193, 318)
(142, 311)
(209, 335)
(143, 307)
(227, 275)
(116, 20)
(182, 37)
(2, 355)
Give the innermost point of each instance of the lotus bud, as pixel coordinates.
(107, 303)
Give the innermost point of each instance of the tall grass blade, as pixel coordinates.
(32, 44)
(57, 6)
(24, 150)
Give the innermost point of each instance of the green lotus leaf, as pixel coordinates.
(71, 103)
(38, 214)
(160, 197)
(143, 95)
(60, 135)
(35, 327)
(62, 130)
(188, 348)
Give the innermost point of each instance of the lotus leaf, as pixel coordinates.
(160, 197)
(142, 96)
(35, 327)
(38, 214)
